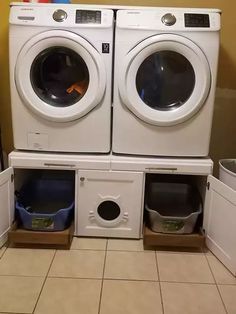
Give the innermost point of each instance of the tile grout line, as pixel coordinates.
(89, 278)
(190, 282)
(13, 313)
(159, 279)
(209, 265)
(114, 250)
(4, 249)
(18, 275)
(103, 272)
(44, 282)
(134, 280)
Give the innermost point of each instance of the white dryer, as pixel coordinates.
(60, 72)
(164, 84)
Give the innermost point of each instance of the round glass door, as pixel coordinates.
(164, 80)
(59, 76)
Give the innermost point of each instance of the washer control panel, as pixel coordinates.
(57, 16)
(88, 17)
(168, 19)
(196, 20)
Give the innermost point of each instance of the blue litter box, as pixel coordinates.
(45, 204)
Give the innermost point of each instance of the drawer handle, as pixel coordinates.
(162, 169)
(59, 165)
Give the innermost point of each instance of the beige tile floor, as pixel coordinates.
(100, 276)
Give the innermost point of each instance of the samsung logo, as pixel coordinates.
(26, 9)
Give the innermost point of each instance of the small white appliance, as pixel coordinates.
(164, 81)
(60, 74)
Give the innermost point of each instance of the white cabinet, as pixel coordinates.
(107, 203)
(219, 219)
(25, 165)
(6, 203)
(220, 222)
(109, 195)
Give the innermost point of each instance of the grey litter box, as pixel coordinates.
(172, 207)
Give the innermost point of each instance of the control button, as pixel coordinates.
(168, 19)
(59, 15)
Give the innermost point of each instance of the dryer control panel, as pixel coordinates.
(170, 19)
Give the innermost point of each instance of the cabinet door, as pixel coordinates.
(220, 222)
(6, 203)
(110, 203)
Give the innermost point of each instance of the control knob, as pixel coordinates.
(59, 15)
(168, 19)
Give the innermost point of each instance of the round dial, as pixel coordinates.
(168, 19)
(59, 15)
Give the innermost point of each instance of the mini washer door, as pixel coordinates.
(60, 76)
(164, 80)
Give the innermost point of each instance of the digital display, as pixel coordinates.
(88, 17)
(196, 20)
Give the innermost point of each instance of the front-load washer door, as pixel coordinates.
(60, 76)
(164, 80)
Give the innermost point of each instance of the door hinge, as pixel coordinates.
(12, 177)
(208, 185)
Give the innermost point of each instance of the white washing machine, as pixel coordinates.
(60, 72)
(165, 78)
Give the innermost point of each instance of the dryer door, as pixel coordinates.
(165, 79)
(60, 76)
